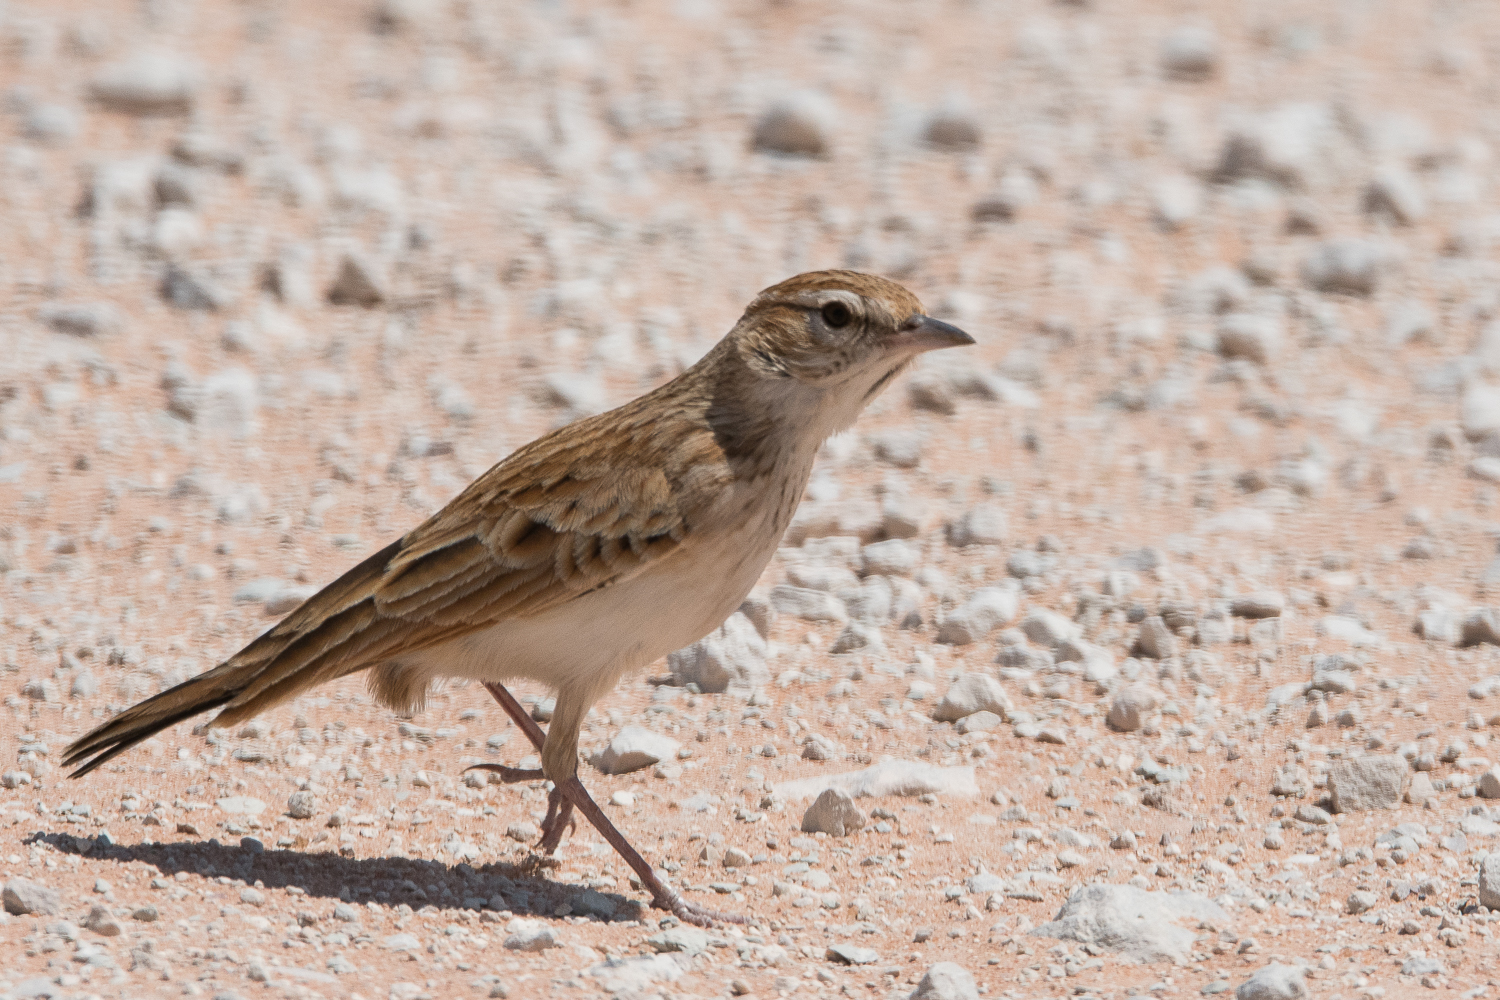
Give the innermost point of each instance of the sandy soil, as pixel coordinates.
(277, 280)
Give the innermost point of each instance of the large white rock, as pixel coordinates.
(731, 657)
(809, 605)
(946, 981)
(1489, 882)
(633, 748)
(1147, 926)
(972, 693)
(986, 610)
(834, 813)
(1129, 710)
(983, 525)
(1273, 982)
(1367, 783)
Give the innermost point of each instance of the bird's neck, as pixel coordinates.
(772, 426)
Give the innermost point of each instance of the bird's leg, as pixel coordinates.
(575, 795)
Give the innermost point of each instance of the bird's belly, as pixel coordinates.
(594, 639)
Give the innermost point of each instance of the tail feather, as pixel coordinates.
(142, 721)
(333, 633)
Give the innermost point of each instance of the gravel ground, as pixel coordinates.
(1146, 647)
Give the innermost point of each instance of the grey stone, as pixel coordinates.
(687, 940)
(1155, 640)
(1489, 881)
(1360, 901)
(901, 447)
(84, 685)
(1147, 926)
(358, 283)
(850, 954)
(834, 813)
(797, 125)
(102, 922)
(192, 289)
(1394, 192)
(50, 125)
(151, 83)
(953, 127)
(809, 605)
(1420, 790)
(732, 656)
(979, 722)
(1347, 266)
(529, 935)
(1366, 783)
(1422, 965)
(946, 981)
(301, 805)
(1481, 626)
(1129, 710)
(1176, 200)
(1488, 785)
(982, 525)
(634, 748)
(23, 897)
(1047, 628)
(523, 832)
(892, 557)
(1261, 604)
(986, 610)
(1273, 982)
(81, 319)
(1246, 335)
(1190, 52)
(971, 693)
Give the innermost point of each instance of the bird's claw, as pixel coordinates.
(509, 775)
(692, 913)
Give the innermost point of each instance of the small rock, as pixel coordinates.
(1489, 784)
(529, 935)
(1360, 901)
(523, 832)
(1489, 881)
(1347, 266)
(1366, 783)
(809, 605)
(946, 981)
(153, 83)
(145, 914)
(971, 693)
(834, 813)
(1273, 982)
(732, 656)
(1190, 52)
(1262, 604)
(1147, 926)
(102, 922)
(358, 283)
(686, 940)
(634, 748)
(1420, 790)
(301, 805)
(1254, 338)
(1155, 640)
(1396, 193)
(798, 125)
(23, 897)
(986, 610)
(982, 525)
(1131, 706)
(849, 954)
(80, 319)
(953, 128)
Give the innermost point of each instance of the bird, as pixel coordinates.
(590, 552)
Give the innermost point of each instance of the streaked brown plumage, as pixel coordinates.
(597, 548)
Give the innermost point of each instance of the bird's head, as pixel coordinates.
(839, 334)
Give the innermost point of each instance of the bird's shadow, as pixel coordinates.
(387, 881)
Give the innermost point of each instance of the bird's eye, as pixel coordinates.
(837, 315)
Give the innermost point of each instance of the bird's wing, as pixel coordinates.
(569, 514)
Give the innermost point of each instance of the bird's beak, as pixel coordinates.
(923, 333)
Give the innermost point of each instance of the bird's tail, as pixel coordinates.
(207, 691)
(335, 632)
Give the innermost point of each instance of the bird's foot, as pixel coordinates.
(559, 820)
(509, 775)
(692, 913)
